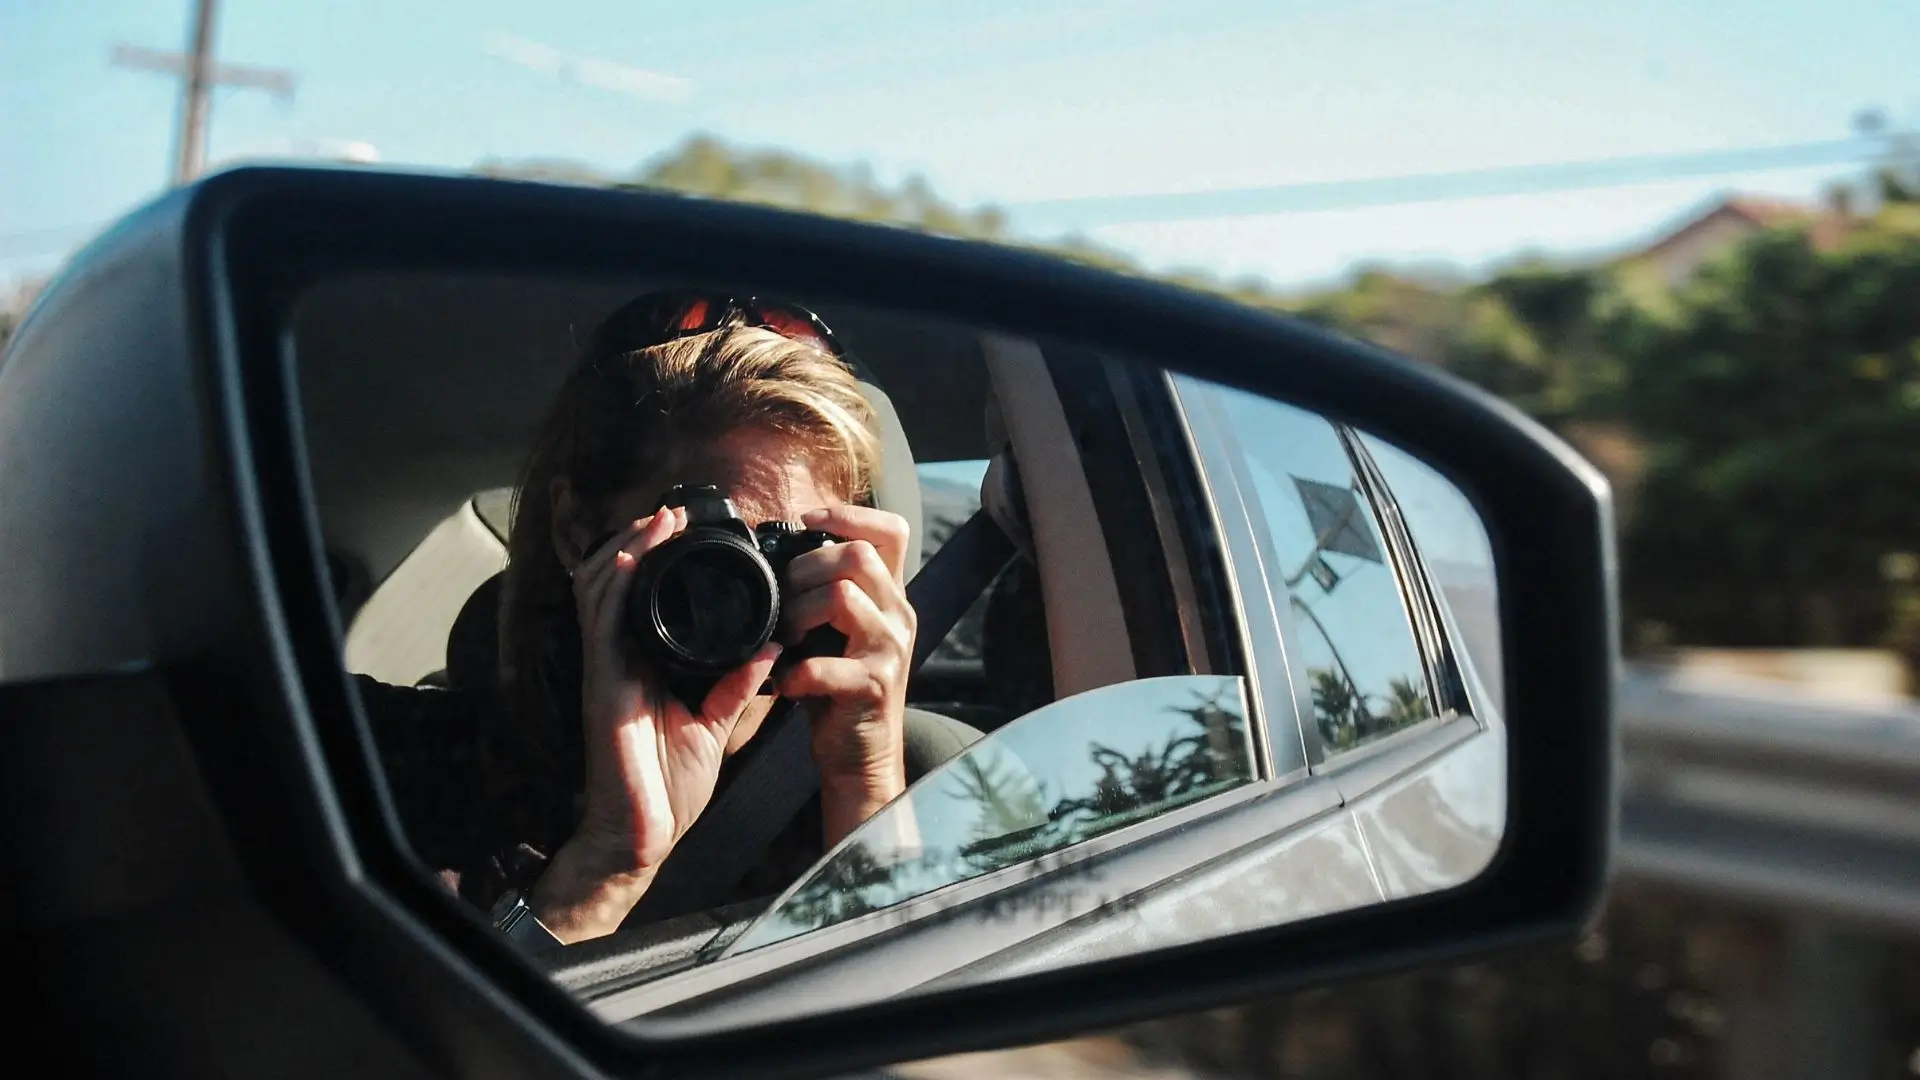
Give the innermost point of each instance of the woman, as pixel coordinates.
(569, 788)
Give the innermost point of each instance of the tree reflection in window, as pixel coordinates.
(1080, 768)
(1186, 768)
(1344, 717)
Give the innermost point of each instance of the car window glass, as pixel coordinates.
(1443, 522)
(1074, 770)
(1455, 548)
(1364, 669)
(949, 495)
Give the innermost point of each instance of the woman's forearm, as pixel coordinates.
(846, 805)
(579, 897)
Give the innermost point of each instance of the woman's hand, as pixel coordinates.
(651, 762)
(858, 587)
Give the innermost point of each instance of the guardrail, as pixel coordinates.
(1768, 797)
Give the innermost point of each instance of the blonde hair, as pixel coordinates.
(621, 418)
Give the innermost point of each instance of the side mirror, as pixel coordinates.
(1250, 657)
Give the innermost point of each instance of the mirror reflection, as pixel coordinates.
(718, 645)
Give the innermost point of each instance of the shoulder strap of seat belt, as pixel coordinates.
(777, 777)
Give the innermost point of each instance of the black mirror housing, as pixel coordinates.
(159, 548)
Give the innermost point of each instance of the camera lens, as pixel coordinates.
(711, 605)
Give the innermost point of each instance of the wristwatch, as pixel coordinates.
(512, 917)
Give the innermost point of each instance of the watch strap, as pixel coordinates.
(512, 917)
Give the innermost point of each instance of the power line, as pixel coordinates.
(1098, 210)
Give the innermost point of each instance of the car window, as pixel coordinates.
(1455, 549)
(1324, 549)
(1074, 770)
(949, 495)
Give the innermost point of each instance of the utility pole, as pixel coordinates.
(199, 75)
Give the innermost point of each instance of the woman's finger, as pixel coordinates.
(886, 531)
(857, 561)
(590, 574)
(847, 608)
(840, 678)
(608, 607)
(605, 592)
(729, 697)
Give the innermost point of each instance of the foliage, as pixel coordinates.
(1780, 406)
(1345, 718)
(704, 166)
(854, 882)
(1004, 795)
(1337, 707)
(1761, 422)
(1194, 762)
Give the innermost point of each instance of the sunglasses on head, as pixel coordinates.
(657, 318)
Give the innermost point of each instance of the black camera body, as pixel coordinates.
(703, 603)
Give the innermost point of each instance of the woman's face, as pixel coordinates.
(763, 472)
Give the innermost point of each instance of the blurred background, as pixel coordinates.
(1685, 236)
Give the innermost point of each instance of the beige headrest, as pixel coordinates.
(897, 486)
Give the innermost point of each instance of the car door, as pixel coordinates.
(1393, 709)
(1350, 640)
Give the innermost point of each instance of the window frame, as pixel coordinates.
(1277, 696)
(1185, 512)
(1445, 681)
(1406, 575)
(1221, 456)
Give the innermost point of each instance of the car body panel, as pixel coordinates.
(1315, 870)
(1438, 826)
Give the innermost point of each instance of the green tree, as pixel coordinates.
(1780, 402)
(1184, 768)
(702, 165)
(1337, 708)
(1406, 702)
(1004, 795)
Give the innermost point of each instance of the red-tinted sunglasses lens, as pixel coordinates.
(663, 317)
(793, 324)
(698, 315)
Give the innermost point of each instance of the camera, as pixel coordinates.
(703, 603)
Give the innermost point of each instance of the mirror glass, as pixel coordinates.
(1079, 657)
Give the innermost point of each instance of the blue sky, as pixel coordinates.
(1006, 102)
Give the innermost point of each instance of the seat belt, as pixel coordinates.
(776, 776)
